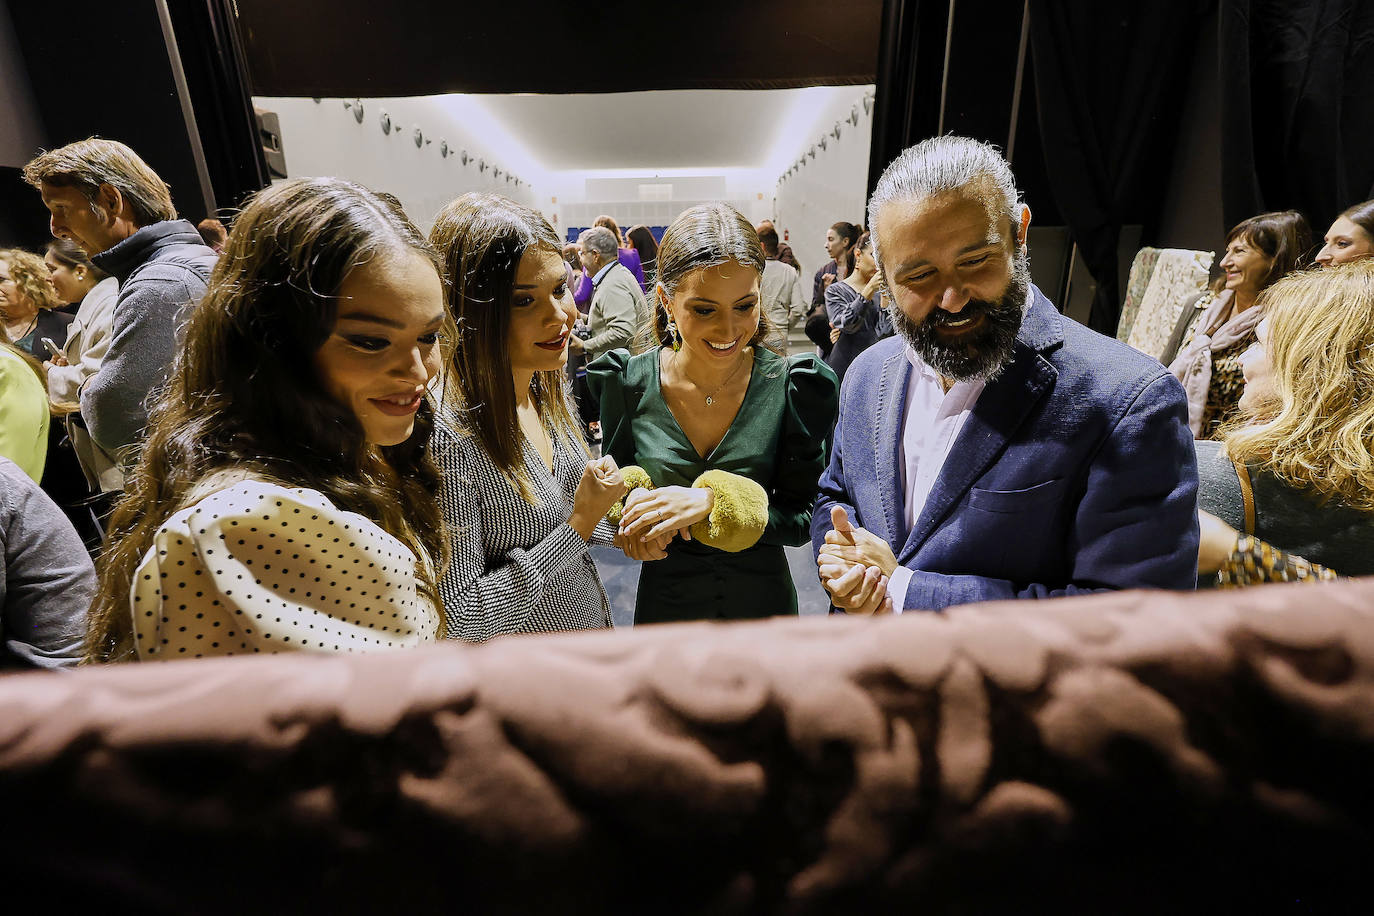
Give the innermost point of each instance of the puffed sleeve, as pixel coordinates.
(609, 384)
(258, 567)
(813, 395)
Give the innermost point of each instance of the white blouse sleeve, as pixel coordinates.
(257, 567)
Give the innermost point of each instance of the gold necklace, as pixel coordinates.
(710, 398)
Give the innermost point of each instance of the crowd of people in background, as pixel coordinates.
(320, 430)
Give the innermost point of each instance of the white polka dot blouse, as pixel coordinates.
(258, 567)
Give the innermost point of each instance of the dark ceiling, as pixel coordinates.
(368, 48)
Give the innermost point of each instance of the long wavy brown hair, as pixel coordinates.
(481, 238)
(244, 393)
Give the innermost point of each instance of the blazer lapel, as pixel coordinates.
(887, 443)
(1000, 410)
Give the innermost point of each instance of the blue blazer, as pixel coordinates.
(1074, 472)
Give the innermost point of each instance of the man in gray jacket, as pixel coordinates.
(106, 199)
(618, 308)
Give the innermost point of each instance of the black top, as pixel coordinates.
(49, 324)
(1295, 521)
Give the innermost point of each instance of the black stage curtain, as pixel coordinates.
(1109, 79)
(1297, 107)
(422, 47)
(217, 80)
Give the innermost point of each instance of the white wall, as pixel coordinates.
(324, 139)
(582, 196)
(830, 187)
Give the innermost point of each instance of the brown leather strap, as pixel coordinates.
(1247, 496)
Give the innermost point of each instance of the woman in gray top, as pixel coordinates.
(852, 308)
(1307, 446)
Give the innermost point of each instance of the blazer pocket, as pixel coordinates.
(1014, 501)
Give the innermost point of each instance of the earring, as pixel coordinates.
(677, 338)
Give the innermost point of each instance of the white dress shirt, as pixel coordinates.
(933, 420)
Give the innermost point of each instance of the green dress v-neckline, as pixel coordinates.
(777, 439)
(656, 383)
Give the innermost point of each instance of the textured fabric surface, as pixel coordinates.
(1142, 267)
(1178, 275)
(1129, 753)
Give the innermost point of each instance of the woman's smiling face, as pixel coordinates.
(716, 310)
(384, 349)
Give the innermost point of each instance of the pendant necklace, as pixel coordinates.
(711, 397)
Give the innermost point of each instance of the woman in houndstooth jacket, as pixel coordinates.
(521, 497)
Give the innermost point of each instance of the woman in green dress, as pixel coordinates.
(724, 439)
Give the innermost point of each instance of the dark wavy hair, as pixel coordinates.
(244, 392)
(482, 238)
(642, 240)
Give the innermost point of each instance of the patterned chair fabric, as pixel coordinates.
(1136, 752)
(1160, 282)
(1142, 267)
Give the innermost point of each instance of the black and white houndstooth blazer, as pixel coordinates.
(516, 567)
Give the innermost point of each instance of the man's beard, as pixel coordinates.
(979, 354)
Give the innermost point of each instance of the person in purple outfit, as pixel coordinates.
(625, 255)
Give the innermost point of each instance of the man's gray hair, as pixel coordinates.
(602, 241)
(944, 164)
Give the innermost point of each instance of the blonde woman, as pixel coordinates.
(1306, 439)
(27, 301)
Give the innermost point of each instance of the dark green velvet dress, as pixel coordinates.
(780, 439)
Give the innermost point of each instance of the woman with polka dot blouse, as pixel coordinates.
(521, 498)
(283, 500)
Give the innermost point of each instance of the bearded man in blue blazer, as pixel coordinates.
(994, 448)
